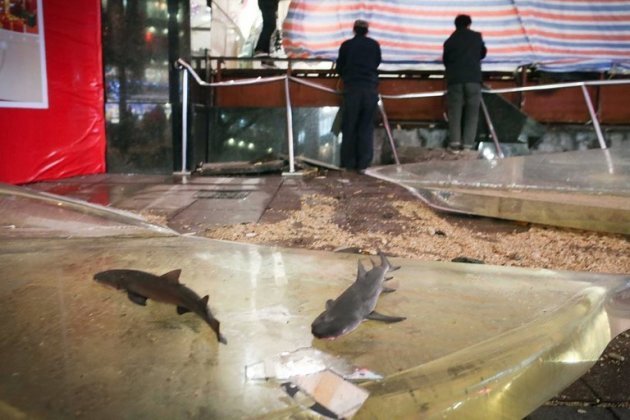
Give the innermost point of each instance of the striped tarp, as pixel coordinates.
(557, 35)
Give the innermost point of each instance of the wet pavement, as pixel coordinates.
(188, 204)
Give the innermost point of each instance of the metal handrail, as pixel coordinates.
(552, 86)
(287, 78)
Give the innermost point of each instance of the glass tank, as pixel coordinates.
(478, 341)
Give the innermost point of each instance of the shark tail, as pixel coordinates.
(385, 262)
(212, 321)
(216, 327)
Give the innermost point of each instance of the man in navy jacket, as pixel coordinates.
(357, 64)
(463, 52)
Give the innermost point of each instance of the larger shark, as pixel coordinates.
(356, 303)
(166, 288)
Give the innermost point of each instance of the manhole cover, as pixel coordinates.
(225, 195)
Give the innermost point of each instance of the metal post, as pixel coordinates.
(591, 110)
(287, 98)
(184, 120)
(521, 101)
(388, 130)
(493, 133)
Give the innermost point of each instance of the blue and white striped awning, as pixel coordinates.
(554, 35)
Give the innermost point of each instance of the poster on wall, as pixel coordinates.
(23, 82)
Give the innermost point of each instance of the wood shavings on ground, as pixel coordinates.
(408, 228)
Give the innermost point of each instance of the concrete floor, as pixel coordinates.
(188, 204)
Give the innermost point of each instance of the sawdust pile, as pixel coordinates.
(311, 227)
(408, 228)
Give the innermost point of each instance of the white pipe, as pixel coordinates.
(591, 110)
(287, 97)
(493, 133)
(517, 89)
(388, 129)
(184, 121)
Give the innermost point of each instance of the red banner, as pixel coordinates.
(68, 138)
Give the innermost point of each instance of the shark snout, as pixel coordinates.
(326, 326)
(109, 278)
(101, 277)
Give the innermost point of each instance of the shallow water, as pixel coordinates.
(478, 340)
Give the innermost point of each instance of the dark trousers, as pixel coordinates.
(269, 12)
(463, 112)
(357, 127)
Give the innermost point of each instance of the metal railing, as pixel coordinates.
(287, 78)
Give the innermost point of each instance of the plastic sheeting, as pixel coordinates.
(585, 189)
(558, 35)
(68, 138)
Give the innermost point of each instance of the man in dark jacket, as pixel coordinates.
(463, 52)
(357, 64)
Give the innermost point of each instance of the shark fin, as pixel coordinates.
(361, 271)
(375, 316)
(373, 263)
(136, 298)
(172, 276)
(392, 286)
(181, 310)
(329, 304)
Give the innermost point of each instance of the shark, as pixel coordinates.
(166, 288)
(356, 303)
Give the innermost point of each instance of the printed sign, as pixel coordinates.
(23, 81)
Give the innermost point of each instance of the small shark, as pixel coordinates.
(166, 288)
(356, 303)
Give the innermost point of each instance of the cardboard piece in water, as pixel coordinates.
(333, 392)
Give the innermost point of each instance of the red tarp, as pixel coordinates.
(68, 138)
